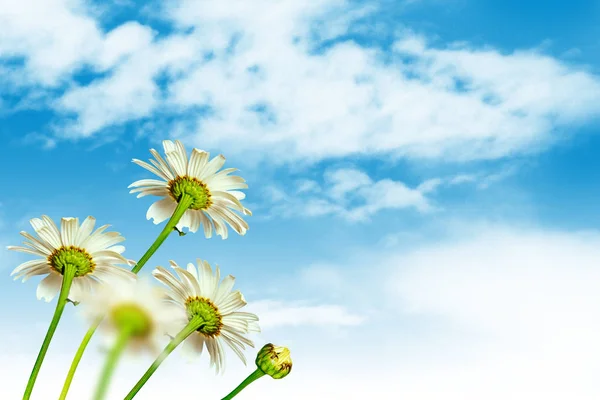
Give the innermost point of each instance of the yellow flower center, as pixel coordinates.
(195, 188)
(208, 312)
(76, 257)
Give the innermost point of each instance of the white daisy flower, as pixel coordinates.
(93, 256)
(199, 295)
(213, 196)
(136, 306)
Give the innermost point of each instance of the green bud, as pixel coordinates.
(274, 361)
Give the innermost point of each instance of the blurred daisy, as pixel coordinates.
(213, 195)
(199, 295)
(93, 256)
(134, 306)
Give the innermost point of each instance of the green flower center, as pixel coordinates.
(73, 256)
(194, 188)
(132, 317)
(208, 313)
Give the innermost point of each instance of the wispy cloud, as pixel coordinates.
(265, 85)
(351, 194)
(348, 193)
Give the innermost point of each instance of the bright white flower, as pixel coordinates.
(198, 294)
(214, 195)
(93, 255)
(136, 306)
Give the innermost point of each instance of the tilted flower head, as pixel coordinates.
(214, 194)
(135, 306)
(274, 361)
(198, 293)
(93, 255)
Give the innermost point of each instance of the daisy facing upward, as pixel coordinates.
(210, 197)
(208, 314)
(74, 260)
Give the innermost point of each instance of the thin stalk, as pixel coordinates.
(182, 206)
(78, 355)
(181, 336)
(111, 363)
(184, 203)
(251, 378)
(68, 275)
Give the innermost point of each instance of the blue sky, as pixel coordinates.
(421, 175)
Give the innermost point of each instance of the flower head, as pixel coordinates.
(199, 294)
(134, 306)
(274, 361)
(213, 195)
(93, 256)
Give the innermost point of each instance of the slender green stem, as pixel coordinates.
(78, 355)
(68, 275)
(111, 363)
(251, 378)
(184, 203)
(181, 336)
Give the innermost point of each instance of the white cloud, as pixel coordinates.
(53, 35)
(344, 180)
(517, 314)
(351, 194)
(307, 185)
(278, 314)
(267, 89)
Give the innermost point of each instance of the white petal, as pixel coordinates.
(150, 168)
(162, 165)
(172, 283)
(232, 303)
(79, 288)
(151, 183)
(205, 221)
(213, 166)
(206, 280)
(28, 265)
(233, 346)
(161, 210)
(237, 336)
(39, 243)
(190, 282)
(224, 289)
(197, 162)
(26, 250)
(185, 221)
(220, 227)
(49, 287)
(85, 230)
(174, 158)
(50, 231)
(68, 230)
(194, 344)
(103, 241)
(191, 268)
(110, 273)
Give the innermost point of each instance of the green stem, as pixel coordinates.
(182, 206)
(68, 275)
(184, 203)
(181, 336)
(251, 378)
(78, 355)
(111, 363)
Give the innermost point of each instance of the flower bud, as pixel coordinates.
(274, 361)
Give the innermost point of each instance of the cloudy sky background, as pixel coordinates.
(422, 175)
